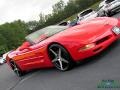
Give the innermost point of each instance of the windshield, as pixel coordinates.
(44, 33)
(86, 12)
(109, 1)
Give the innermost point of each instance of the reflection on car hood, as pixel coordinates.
(88, 30)
(13, 53)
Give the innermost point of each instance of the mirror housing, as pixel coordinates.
(28, 48)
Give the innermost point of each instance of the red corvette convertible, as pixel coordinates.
(61, 46)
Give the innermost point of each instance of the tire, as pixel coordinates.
(109, 13)
(16, 69)
(60, 57)
(106, 14)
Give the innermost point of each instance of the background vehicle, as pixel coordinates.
(63, 23)
(69, 23)
(3, 58)
(110, 6)
(60, 46)
(87, 15)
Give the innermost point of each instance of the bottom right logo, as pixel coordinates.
(109, 84)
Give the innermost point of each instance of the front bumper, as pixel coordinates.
(100, 46)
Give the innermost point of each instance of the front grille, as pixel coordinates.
(103, 40)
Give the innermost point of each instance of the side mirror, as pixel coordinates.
(28, 48)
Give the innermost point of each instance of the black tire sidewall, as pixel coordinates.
(20, 71)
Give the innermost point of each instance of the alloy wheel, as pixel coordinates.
(59, 57)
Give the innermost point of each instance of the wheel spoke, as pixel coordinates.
(59, 53)
(63, 60)
(13, 65)
(58, 62)
(53, 52)
(54, 60)
(17, 71)
(61, 65)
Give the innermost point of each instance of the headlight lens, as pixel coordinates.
(87, 47)
(116, 30)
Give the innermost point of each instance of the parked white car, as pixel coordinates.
(87, 15)
(3, 58)
(110, 6)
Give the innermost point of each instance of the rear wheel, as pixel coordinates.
(16, 69)
(60, 57)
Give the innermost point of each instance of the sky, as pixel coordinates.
(26, 10)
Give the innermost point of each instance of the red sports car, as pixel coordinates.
(61, 46)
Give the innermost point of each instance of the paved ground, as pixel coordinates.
(86, 76)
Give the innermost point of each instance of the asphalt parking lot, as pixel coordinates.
(85, 76)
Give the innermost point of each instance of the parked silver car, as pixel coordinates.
(110, 6)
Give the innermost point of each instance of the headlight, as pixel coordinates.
(87, 47)
(116, 30)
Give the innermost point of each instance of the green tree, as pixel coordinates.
(61, 11)
(13, 34)
(58, 7)
(3, 44)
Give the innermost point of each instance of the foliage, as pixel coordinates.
(32, 24)
(62, 11)
(12, 35)
(94, 6)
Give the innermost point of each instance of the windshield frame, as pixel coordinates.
(45, 31)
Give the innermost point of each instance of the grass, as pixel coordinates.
(95, 6)
(74, 16)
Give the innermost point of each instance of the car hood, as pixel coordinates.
(88, 31)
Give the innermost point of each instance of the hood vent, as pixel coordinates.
(103, 40)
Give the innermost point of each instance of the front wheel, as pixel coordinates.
(60, 57)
